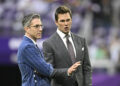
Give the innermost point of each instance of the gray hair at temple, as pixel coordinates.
(28, 18)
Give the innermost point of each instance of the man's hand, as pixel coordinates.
(73, 67)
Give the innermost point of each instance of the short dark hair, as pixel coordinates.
(62, 10)
(28, 18)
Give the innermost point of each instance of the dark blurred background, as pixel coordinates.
(96, 20)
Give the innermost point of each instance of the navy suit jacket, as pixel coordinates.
(30, 59)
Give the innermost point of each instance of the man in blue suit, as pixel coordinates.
(34, 69)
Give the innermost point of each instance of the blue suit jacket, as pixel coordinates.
(30, 59)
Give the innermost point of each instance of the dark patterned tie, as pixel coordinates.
(70, 49)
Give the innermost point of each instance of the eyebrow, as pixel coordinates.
(64, 20)
(37, 24)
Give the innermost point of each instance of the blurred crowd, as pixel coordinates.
(96, 20)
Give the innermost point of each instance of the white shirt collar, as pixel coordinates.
(32, 40)
(61, 34)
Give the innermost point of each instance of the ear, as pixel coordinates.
(56, 22)
(26, 29)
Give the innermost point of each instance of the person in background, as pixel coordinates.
(64, 48)
(34, 69)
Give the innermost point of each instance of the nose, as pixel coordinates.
(66, 23)
(40, 29)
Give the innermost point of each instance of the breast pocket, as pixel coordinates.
(79, 53)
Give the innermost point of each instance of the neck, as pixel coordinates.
(29, 36)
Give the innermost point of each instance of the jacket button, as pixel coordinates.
(34, 76)
(35, 81)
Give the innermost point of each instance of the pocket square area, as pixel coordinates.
(82, 48)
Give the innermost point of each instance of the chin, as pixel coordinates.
(39, 37)
(66, 32)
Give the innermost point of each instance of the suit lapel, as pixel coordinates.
(63, 49)
(30, 41)
(78, 47)
(38, 49)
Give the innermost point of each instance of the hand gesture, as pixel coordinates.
(73, 67)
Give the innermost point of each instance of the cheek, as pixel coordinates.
(70, 23)
(33, 32)
(61, 25)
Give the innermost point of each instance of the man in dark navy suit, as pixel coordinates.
(34, 69)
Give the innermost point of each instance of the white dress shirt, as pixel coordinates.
(62, 36)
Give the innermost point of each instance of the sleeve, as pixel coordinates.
(87, 70)
(48, 53)
(36, 61)
(49, 56)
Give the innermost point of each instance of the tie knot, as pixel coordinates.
(67, 36)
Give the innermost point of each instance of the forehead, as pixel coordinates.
(36, 21)
(63, 16)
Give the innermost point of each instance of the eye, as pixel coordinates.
(67, 20)
(37, 26)
(62, 20)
